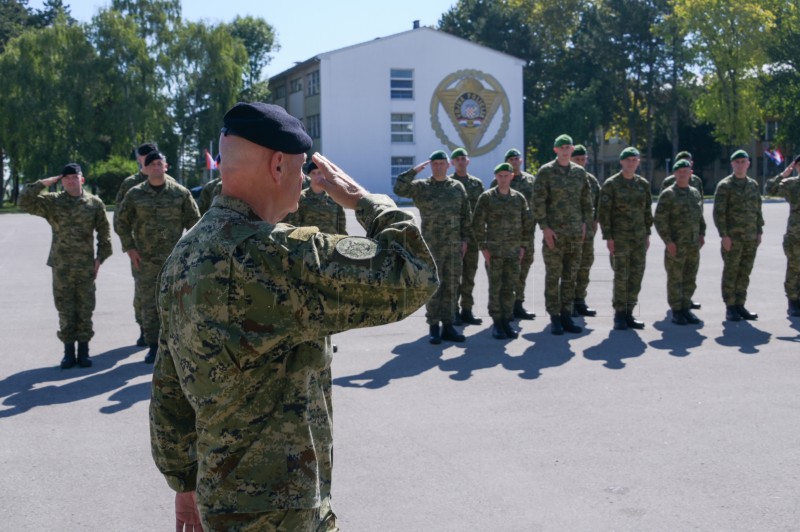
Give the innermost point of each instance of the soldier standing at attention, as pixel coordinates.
(474, 188)
(579, 307)
(74, 216)
(149, 222)
(680, 224)
(502, 223)
(316, 208)
(447, 227)
(789, 188)
(737, 215)
(232, 410)
(562, 206)
(626, 216)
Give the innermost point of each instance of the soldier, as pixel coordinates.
(474, 188)
(562, 206)
(790, 189)
(74, 216)
(502, 223)
(626, 217)
(579, 307)
(680, 224)
(240, 296)
(150, 221)
(316, 208)
(737, 215)
(446, 225)
(523, 183)
(209, 191)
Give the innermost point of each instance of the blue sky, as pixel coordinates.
(306, 27)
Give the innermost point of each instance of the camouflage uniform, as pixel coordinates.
(444, 209)
(626, 217)
(151, 222)
(502, 224)
(563, 203)
(73, 220)
(523, 183)
(237, 409)
(789, 188)
(679, 220)
(587, 250)
(737, 214)
(695, 182)
(210, 190)
(320, 211)
(474, 188)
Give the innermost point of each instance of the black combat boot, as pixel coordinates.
(508, 329)
(620, 324)
(746, 314)
(498, 331)
(69, 355)
(580, 308)
(690, 316)
(457, 319)
(520, 313)
(83, 355)
(468, 317)
(731, 314)
(679, 318)
(794, 308)
(435, 334)
(555, 325)
(450, 333)
(140, 342)
(567, 324)
(694, 305)
(632, 322)
(150, 357)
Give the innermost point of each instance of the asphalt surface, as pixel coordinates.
(670, 428)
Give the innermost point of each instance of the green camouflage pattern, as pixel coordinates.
(74, 295)
(237, 409)
(130, 182)
(695, 182)
(320, 519)
(736, 270)
(524, 183)
(587, 249)
(790, 189)
(318, 210)
(210, 190)
(469, 269)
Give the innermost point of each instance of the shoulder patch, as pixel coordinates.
(357, 248)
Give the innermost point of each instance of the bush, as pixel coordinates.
(109, 174)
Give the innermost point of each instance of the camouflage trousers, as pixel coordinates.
(561, 264)
(791, 247)
(137, 310)
(587, 259)
(145, 296)
(737, 265)
(524, 269)
(73, 292)
(682, 275)
(628, 262)
(503, 271)
(441, 307)
(320, 519)
(468, 271)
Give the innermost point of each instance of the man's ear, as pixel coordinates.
(277, 164)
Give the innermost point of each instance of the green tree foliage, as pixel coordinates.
(259, 40)
(109, 174)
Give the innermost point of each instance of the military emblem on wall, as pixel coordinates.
(472, 101)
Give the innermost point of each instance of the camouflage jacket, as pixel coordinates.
(737, 208)
(152, 222)
(443, 207)
(594, 189)
(524, 184)
(318, 210)
(502, 224)
(789, 188)
(562, 200)
(679, 216)
(626, 208)
(473, 186)
(210, 190)
(239, 301)
(695, 182)
(130, 182)
(73, 221)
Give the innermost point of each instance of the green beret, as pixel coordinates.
(438, 155)
(580, 149)
(459, 152)
(739, 154)
(681, 163)
(503, 167)
(513, 152)
(562, 140)
(630, 151)
(684, 155)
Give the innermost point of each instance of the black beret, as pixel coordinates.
(311, 166)
(146, 148)
(267, 125)
(152, 156)
(71, 168)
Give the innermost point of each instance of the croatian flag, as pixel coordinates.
(774, 155)
(211, 164)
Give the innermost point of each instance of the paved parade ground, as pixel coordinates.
(666, 429)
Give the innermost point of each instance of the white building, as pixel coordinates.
(380, 107)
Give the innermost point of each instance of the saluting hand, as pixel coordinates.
(421, 166)
(342, 188)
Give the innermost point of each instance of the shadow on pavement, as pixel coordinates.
(413, 358)
(794, 324)
(617, 347)
(547, 351)
(743, 335)
(679, 340)
(480, 352)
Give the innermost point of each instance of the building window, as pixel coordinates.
(403, 127)
(402, 84)
(312, 126)
(296, 85)
(280, 92)
(312, 83)
(400, 165)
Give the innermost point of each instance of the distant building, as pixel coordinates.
(381, 107)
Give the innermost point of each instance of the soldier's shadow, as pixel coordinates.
(413, 358)
(794, 323)
(22, 393)
(547, 351)
(619, 345)
(481, 351)
(742, 335)
(679, 340)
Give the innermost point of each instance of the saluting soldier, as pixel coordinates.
(738, 217)
(316, 208)
(502, 224)
(680, 224)
(626, 216)
(444, 208)
(75, 216)
(580, 308)
(789, 188)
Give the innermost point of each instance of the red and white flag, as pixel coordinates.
(211, 164)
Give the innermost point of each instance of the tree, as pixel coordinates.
(258, 38)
